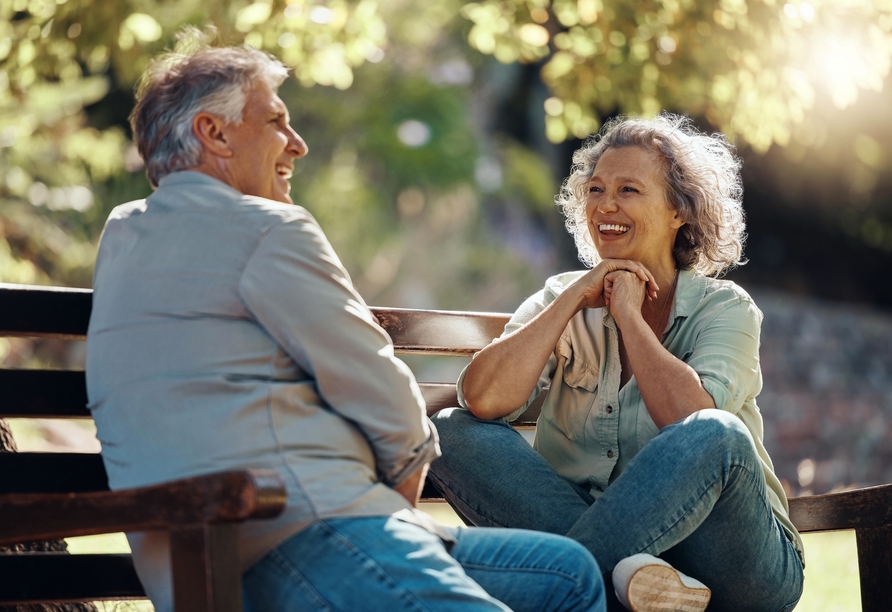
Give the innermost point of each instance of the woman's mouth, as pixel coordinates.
(613, 228)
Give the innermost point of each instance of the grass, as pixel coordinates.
(831, 573)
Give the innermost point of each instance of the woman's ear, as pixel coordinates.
(677, 221)
(211, 132)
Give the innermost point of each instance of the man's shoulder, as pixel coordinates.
(130, 209)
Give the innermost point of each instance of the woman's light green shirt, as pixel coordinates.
(590, 428)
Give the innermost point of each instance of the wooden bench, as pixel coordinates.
(53, 495)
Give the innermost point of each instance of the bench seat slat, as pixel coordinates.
(41, 577)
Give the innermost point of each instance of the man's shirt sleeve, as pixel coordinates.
(297, 289)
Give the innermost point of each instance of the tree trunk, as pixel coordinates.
(7, 445)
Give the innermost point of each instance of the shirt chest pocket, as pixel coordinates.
(577, 386)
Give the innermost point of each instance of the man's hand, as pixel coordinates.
(411, 487)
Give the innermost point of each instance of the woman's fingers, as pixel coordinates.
(637, 268)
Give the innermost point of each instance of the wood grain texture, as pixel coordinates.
(224, 497)
(859, 508)
(875, 568)
(207, 575)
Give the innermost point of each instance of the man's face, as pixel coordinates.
(264, 146)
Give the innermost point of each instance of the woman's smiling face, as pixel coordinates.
(627, 210)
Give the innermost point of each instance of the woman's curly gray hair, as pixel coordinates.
(702, 182)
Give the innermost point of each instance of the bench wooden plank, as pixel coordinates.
(57, 312)
(198, 552)
(36, 473)
(439, 332)
(43, 394)
(28, 310)
(222, 497)
(856, 509)
(875, 568)
(73, 578)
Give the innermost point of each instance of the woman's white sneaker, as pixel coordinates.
(645, 583)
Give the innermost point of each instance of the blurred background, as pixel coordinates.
(439, 133)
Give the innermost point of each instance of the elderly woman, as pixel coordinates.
(649, 446)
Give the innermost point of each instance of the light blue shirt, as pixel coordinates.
(226, 334)
(590, 427)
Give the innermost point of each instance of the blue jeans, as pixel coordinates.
(694, 495)
(384, 563)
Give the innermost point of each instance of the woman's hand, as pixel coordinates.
(624, 293)
(592, 287)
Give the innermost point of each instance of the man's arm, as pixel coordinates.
(297, 289)
(411, 487)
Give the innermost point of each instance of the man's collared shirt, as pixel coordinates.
(226, 334)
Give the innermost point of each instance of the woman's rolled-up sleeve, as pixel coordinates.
(298, 291)
(532, 306)
(726, 354)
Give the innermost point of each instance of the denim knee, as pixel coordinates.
(720, 432)
(458, 423)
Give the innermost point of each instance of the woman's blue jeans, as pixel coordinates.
(384, 563)
(694, 495)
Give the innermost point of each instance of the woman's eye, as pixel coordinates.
(594, 189)
(630, 189)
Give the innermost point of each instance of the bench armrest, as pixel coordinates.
(224, 497)
(870, 507)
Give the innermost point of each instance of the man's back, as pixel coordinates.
(212, 297)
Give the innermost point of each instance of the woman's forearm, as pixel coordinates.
(503, 375)
(670, 388)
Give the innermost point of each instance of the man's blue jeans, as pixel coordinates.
(694, 495)
(384, 563)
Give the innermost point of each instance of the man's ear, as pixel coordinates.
(211, 132)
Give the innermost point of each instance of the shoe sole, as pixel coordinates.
(656, 588)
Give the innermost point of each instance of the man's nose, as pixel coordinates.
(296, 144)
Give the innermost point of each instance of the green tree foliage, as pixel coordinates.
(752, 68)
(57, 58)
(394, 148)
(399, 112)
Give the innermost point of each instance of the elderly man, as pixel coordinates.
(226, 334)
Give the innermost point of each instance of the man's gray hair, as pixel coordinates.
(180, 84)
(703, 184)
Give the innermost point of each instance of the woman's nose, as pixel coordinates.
(607, 204)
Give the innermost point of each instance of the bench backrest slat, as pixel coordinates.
(43, 394)
(58, 312)
(39, 578)
(52, 472)
(65, 313)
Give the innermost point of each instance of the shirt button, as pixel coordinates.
(609, 409)
(610, 454)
